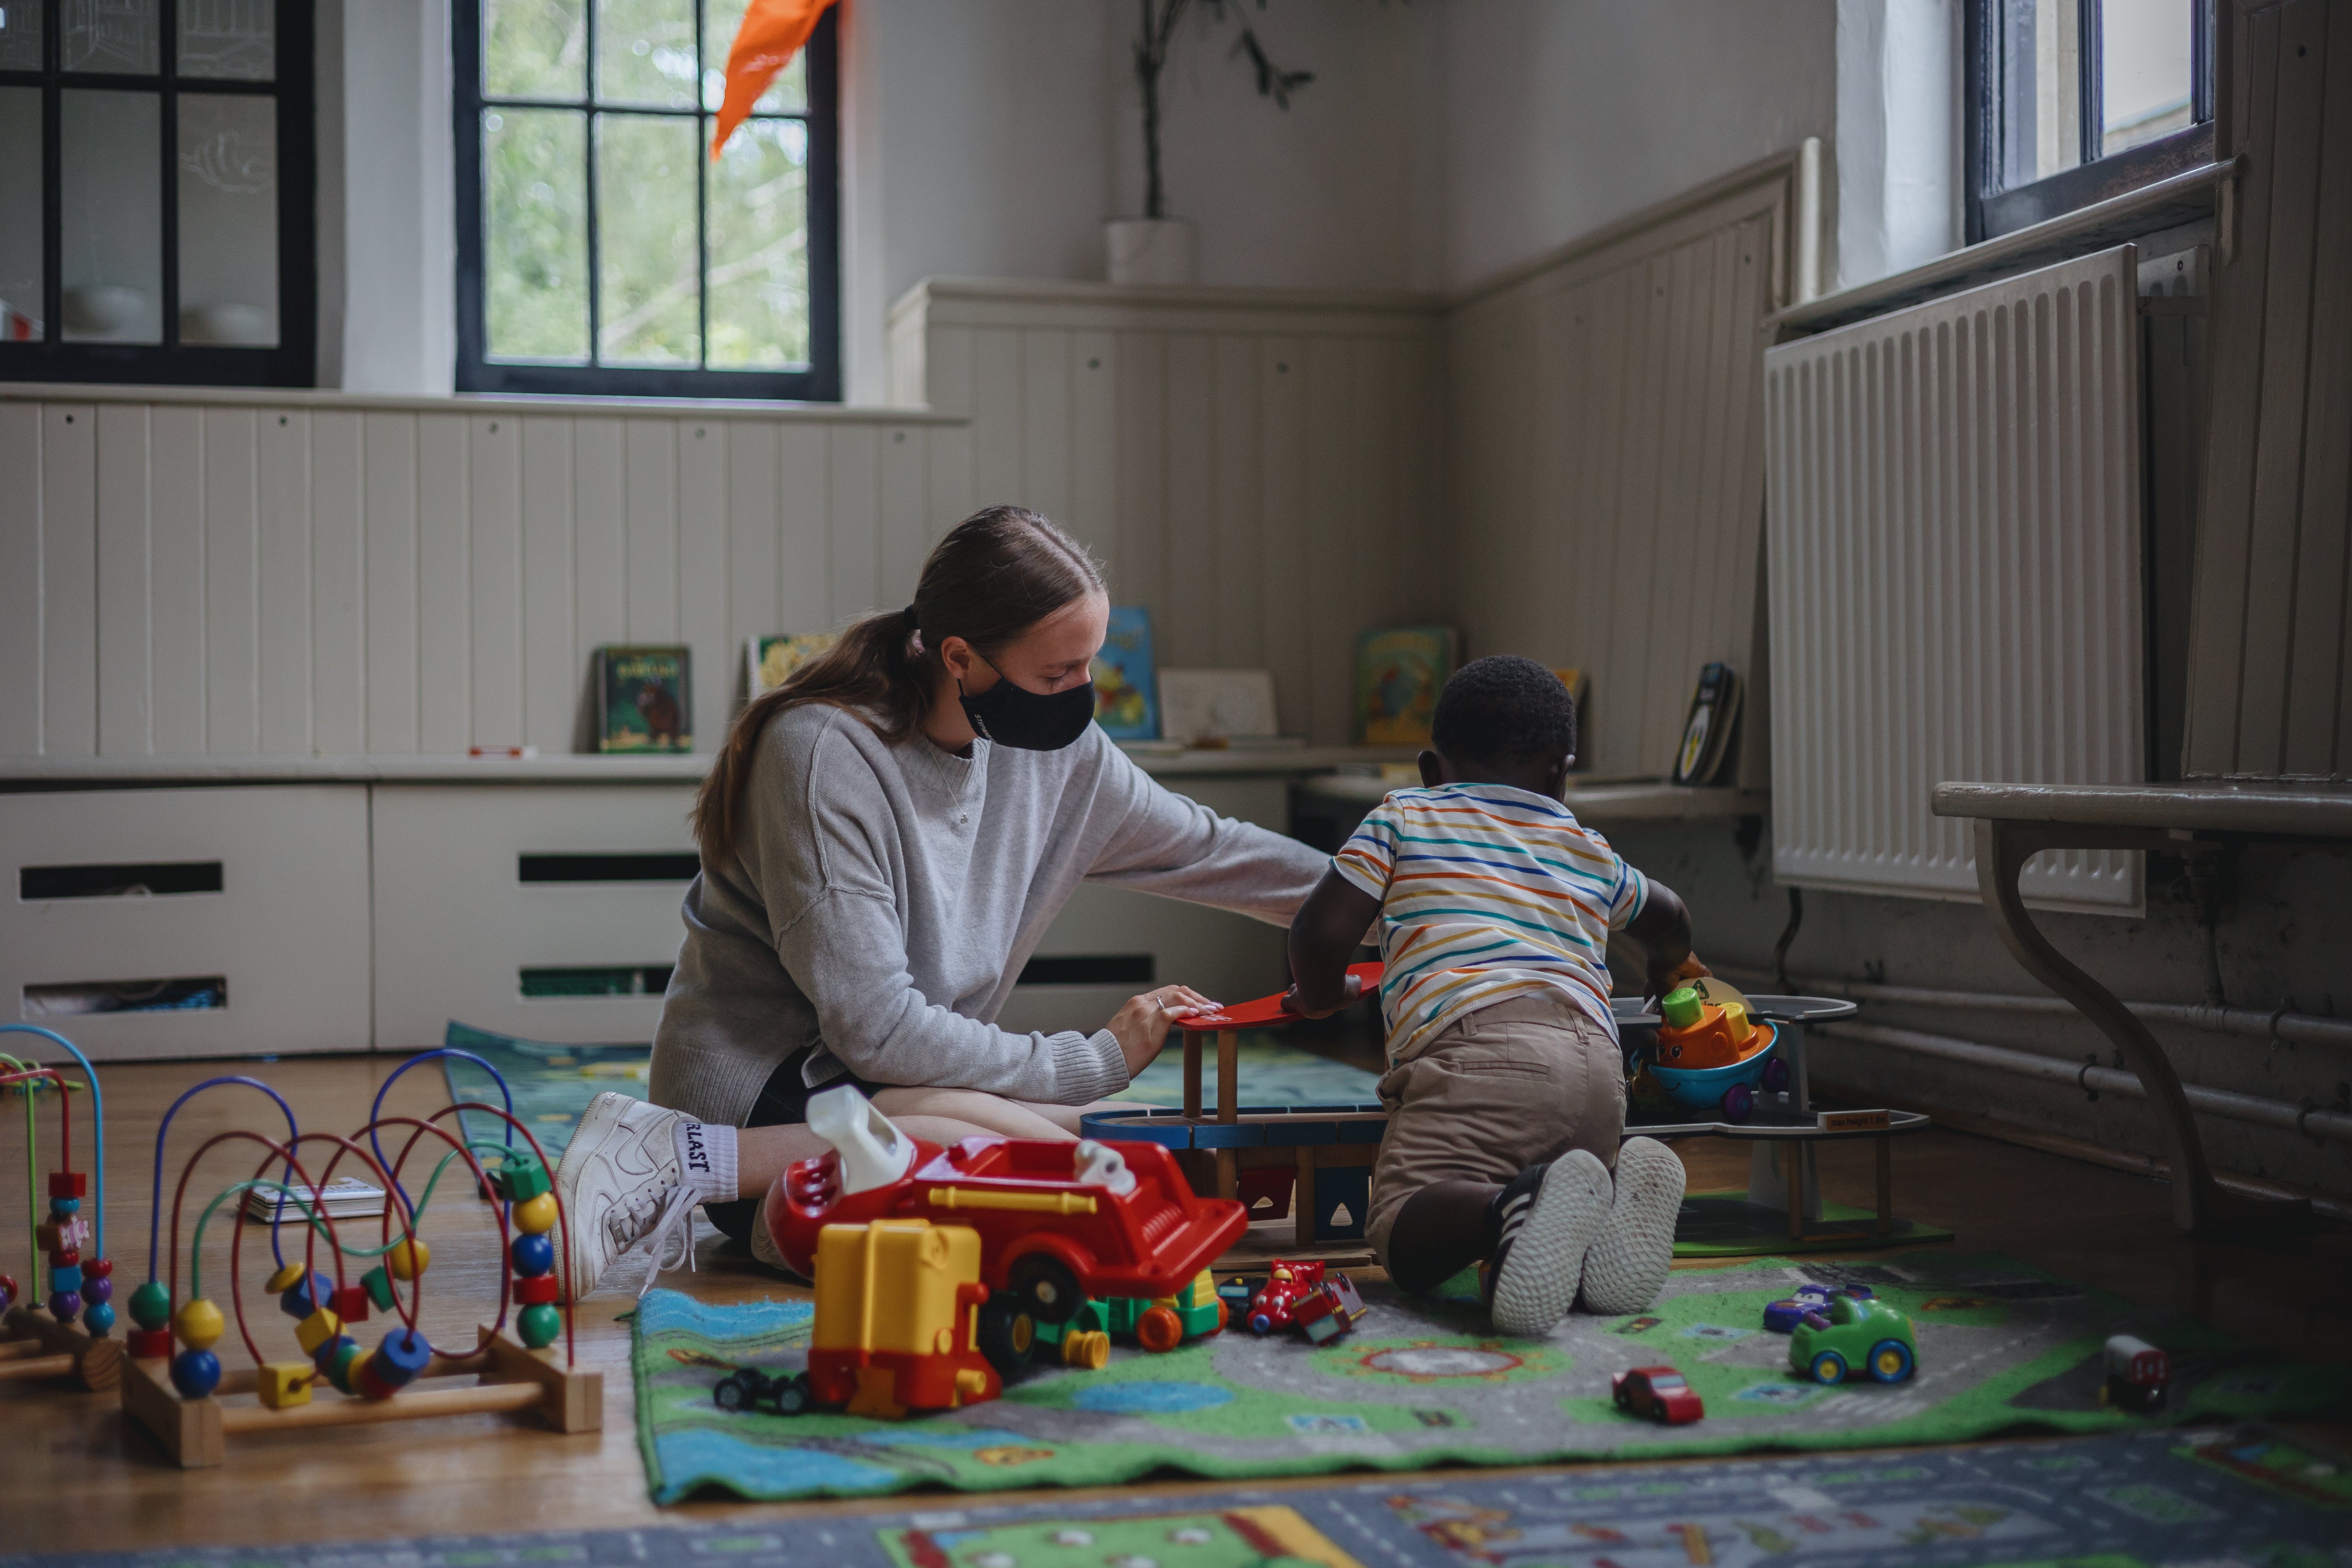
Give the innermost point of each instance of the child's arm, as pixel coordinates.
(1663, 928)
(1324, 935)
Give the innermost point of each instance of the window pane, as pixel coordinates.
(22, 281)
(645, 52)
(646, 239)
(20, 36)
(758, 248)
(2144, 86)
(536, 166)
(721, 19)
(535, 48)
(228, 38)
(228, 220)
(2041, 90)
(111, 191)
(110, 35)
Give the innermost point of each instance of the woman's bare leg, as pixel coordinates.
(762, 1153)
(1065, 1117)
(933, 1115)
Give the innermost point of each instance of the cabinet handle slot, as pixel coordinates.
(135, 879)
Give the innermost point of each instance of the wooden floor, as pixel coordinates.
(74, 1478)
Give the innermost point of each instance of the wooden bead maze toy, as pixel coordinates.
(1318, 1158)
(42, 1337)
(193, 1405)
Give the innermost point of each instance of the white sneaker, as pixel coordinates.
(620, 1185)
(1550, 1214)
(1628, 1264)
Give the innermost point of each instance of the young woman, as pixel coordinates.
(884, 839)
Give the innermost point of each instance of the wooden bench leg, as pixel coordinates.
(1885, 1185)
(1191, 1076)
(1302, 1199)
(2002, 848)
(1794, 1154)
(1229, 1108)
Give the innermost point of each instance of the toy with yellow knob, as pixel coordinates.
(1711, 1054)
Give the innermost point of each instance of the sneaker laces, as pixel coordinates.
(652, 1223)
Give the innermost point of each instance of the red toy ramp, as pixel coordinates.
(1268, 1011)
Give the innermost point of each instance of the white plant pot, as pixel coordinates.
(1148, 249)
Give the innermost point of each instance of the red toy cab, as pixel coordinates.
(1058, 1221)
(1656, 1393)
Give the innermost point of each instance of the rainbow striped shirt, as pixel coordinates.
(1487, 892)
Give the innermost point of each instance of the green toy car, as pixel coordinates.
(1159, 1326)
(1854, 1336)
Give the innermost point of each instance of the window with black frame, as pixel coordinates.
(156, 192)
(2072, 101)
(601, 249)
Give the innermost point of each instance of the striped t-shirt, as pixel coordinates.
(1486, 892)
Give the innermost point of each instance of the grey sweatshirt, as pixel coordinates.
(884, 900)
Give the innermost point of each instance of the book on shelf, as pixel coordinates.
(1711, 727)
(1222, 707)
(769, 661)
(1126, 703)
(645, 701)
(1399, 671)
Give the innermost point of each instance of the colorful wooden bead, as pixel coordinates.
(369, 1381)
(520, 1180)
(350, 1303)
(66, 1277)
(409, 1257)
(284, 1279)
(532, 1254)
(377, 1283)
(537, 1217)
(69, 1186)
(96, 1286)
(199, 1324)
(402, 1358)
(59, 1235)
(96, 1316)
(340, 1366)
(7, 1291)
(324, 1357)
(285, 1383)
(539, 1326)
(302, 1298)
(150, 1345)
(65, 1257)
(97, 1267)
(195, 1373)
(317, 1329)
(534, 1291)
(65, 1306)
(150, 1305)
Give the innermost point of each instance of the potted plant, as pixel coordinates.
(1155, 247)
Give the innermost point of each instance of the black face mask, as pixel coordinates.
(1010, 715)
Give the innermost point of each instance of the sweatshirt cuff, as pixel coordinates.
(1088, 1068)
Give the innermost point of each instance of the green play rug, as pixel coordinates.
(551, 1084)
(1271, 1074)
(2003, 1348)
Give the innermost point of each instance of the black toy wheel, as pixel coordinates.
(793, 1395)
(730, 1394)
(1007, 1333)
(1047, 1287)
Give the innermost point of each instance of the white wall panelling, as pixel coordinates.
(1260, 470)
(1956, 541)
(1605, 456)
(337, 575)
(288, 929)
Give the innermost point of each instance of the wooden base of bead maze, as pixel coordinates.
(195, 1432)
(36, 1345)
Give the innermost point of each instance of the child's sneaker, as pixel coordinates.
(1547, 1217)
(1627, 1265)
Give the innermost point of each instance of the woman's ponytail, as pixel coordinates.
(996, 573)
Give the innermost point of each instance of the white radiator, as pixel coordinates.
(1953, 548)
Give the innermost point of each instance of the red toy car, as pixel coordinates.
(1301, 1295)
(1058, 1221)
(1657, 1392)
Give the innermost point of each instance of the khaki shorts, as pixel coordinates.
(1518, 1081)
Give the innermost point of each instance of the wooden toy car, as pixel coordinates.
(2136, 1375)
(1303, 1296)
(1657, 1393)
(749, 1388)
(1058, 1221)
(1856, 1335)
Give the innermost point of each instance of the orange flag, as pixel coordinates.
(771, 34)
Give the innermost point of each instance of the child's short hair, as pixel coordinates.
(1504, 709)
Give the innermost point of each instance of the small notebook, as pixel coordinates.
(342, 1198)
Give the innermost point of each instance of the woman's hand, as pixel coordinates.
(1142, 1026)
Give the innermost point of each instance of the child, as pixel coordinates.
(1506, 1085)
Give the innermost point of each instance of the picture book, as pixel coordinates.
(1214, 705)
(643, 702)
(769, 661)
(1127, 701)
(1398, 673)
(1708, 731)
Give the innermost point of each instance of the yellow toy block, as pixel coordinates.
(893, 1285)
(285, 1383)
(317, 1329)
